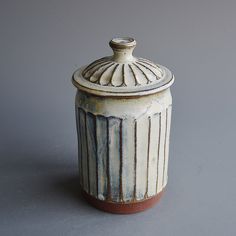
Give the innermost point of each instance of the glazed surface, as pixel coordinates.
(123, 145)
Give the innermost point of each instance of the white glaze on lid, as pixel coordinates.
(122, 74)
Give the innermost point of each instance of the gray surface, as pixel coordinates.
(43, 42)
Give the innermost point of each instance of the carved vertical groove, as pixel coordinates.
(79, 143)
(86, 138)
(121, 161)
(108, 165)
(148, 152)
(135, 157)
(102, 157)
(96, 144)
(92, 152)
(128, 158)
(114, 157)
(83, 140)
(153, 157)
(81, 149)
(158, 151)
(166, 122)
(142, 153)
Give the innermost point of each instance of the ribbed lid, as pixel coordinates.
(122, 74)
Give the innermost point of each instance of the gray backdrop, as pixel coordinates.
(43, 42)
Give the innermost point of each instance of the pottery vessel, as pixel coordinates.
(123, 115)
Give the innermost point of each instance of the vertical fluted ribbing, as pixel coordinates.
(102, 146)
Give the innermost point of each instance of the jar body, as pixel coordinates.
(123, 145)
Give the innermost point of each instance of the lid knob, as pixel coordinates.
(123, 49)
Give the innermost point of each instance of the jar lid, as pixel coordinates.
(122, 74)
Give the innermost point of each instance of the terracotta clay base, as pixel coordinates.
(122, 208)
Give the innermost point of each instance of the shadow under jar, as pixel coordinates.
(123, 116)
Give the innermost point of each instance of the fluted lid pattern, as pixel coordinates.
(122, 73)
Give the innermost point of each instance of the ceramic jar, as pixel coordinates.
(123, 116)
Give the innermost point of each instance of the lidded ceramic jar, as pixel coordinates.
(123, 116)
